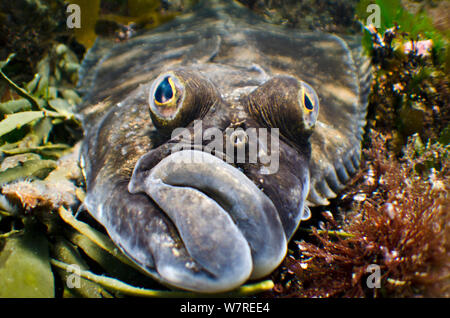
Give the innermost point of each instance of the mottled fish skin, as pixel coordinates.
(237, 52)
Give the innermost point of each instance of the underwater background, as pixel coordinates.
(394, 213)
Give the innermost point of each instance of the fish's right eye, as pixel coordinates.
(178, 97)
(166, 97)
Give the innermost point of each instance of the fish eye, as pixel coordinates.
(287, 103)
(166, 96)
(310, 101)
(165, 91)
(176, 98)
(308, 97)
(307, 102)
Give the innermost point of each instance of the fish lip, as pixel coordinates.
(252, 211)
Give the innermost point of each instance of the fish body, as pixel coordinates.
(182, 204)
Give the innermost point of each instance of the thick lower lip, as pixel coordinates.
(216, 209)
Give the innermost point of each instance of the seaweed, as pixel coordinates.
(121, 19)
(28, 27)
(411, 92)
(400, 225)
(30, 113)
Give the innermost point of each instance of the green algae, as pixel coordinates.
(411, 92)
(24, 266)
(29, 169)
(68, 253)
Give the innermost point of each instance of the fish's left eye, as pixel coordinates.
(287, 103)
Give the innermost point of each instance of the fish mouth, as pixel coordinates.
(228, 226)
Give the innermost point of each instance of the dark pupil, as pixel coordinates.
(308, 103)
(164, 91)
